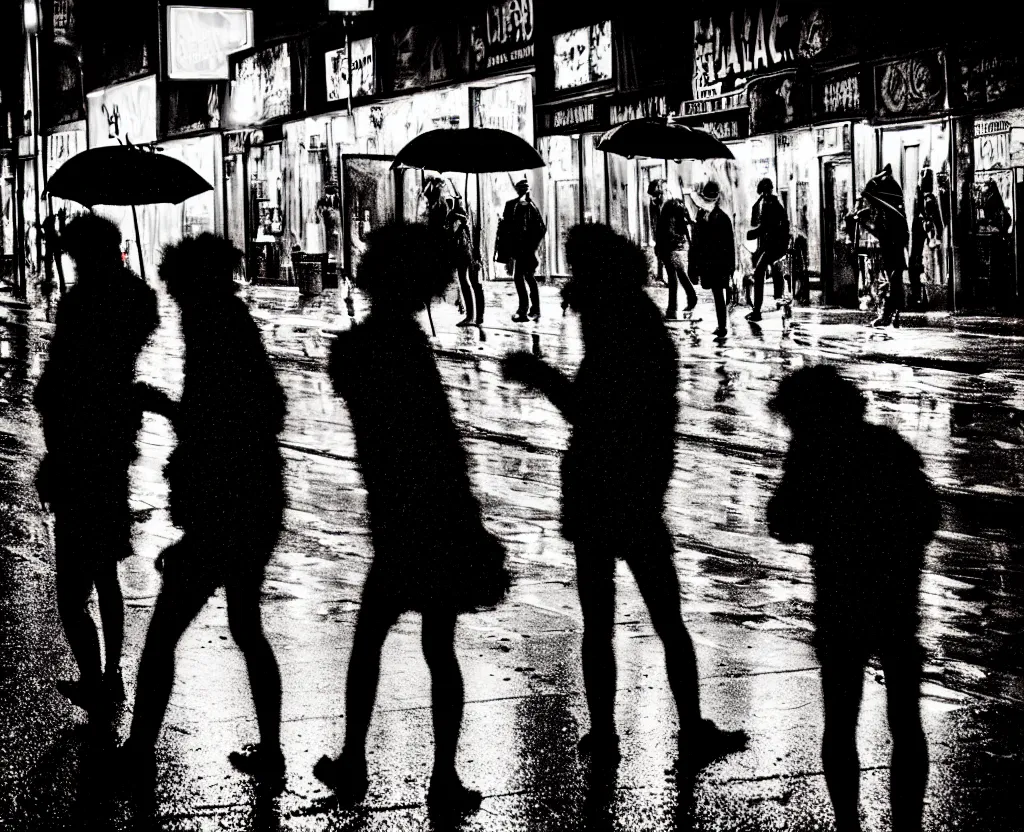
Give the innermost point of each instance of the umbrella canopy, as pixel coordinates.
(125, 175)
(472, 150)
(658, 138)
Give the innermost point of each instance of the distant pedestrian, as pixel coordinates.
(656, 191)
(432, 554)
(622, 408)
(886, 219)
(90, 421)
(671, 239)
(465, 259)
(520, 231)
(857, 493)
(226, 493)
(770, 227)
(713, 251)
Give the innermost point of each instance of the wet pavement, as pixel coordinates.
(956, 392)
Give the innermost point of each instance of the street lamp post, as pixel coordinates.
(33, 22)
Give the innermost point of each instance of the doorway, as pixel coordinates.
(839, 275)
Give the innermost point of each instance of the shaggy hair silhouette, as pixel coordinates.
(404, 267)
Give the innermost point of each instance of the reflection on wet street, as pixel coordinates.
(956, 395)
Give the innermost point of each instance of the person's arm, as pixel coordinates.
(527, 369)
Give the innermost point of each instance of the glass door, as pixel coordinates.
(369, 200)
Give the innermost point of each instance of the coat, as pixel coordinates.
(673, 229)
(520, 231)
(770, 226)
(713, 251)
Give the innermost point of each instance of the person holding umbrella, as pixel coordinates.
(90, 420)
(520, 231)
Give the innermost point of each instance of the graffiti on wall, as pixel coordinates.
(911, 86)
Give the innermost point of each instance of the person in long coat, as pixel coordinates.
(520, 231)
(671, 237)
(90, 421)
(432, 554)
(622, 408)
(226, 479)
(770, 227)
(713, 252)
(856, 492)
(889, 224)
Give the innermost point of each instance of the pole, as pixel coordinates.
(138, 246)
(348, 65)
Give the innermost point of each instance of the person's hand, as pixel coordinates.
(510, 267)
(521, 366)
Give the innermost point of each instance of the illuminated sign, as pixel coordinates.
(350, 5)
(199, 40)
(122, 113)
(362, 71)
(583, 56)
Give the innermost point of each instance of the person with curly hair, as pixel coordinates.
(90, 421)
(623, 410)
(432, 554)
(226, 493)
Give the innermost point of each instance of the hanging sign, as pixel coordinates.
(911, 86)
(363, 79)
(645, 106)
(199, 41)
(505, 37)
(579, 117)
(583, 56)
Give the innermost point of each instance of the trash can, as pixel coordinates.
(309, 272)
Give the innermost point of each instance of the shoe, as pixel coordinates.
(348, 780)
(721, 332)
(670, 315)
(466, 322)
(520, 318)
(707, 744)
(534, 316)
(896, 320)
(450, 798)
(135, 766)
(753, 316)
(690, 305)
(91, 699)
(882, 320)
(266, 766)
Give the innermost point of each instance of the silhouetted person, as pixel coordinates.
(770, 227)
(520, 231)
(713, 251)
(90, 420)
(226, 493)
(671, 237)
(432, 554)
(622, 408)
(465, 259)
(887, 220)
(857, 493)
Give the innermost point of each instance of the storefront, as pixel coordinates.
(915, 137)
(260, 97)
(61, 144)
(7, 218)
(575, 180)
(119, 114)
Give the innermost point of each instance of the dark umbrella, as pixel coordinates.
(125, 175)
(659, 138)
(469, 150)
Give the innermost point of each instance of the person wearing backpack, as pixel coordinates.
(770, 227)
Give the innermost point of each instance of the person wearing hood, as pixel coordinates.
(90, 419)
(857, 493)
(889, 224)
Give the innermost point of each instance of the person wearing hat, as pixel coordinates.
(713, 251)
(857, 493)
(226, 480)
(671, 237)
(520, 231)
(622, 409)
(888, 222)
(90, 419)
(770, 227)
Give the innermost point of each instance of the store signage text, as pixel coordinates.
(985, 128)
(650, 105)
(573, 116)
(336, 63)
(723, 129)
(199, 40)
(841, 95)
(506, 36)
(61, 146)
(729, 101)
(989, 78)
(63, 18)
(583, 56)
